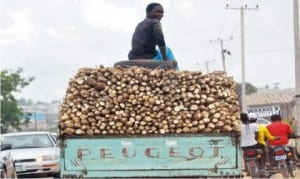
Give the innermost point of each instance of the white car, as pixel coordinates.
(7, 164)
(54, 136)
(263, 121)
(35, 153)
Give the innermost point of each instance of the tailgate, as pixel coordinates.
(195, 152)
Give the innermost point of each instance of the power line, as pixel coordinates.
(250, 23)
(251, 19)
(221, 29)
(206, 54)
(271, 50)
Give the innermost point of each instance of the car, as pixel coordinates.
(35, 153)
(7, 164)
(262, 121)
(54, 136)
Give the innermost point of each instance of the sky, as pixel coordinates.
(51, 40)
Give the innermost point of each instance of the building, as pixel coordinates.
(267, 102)
(42, 115)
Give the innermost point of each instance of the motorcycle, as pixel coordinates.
(255, 163)
(283, 161)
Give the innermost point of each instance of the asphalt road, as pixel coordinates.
(297, 174)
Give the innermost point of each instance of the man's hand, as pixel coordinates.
(277, 137)
(163, 53)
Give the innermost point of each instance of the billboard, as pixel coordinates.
(35, 116)
(265, 111)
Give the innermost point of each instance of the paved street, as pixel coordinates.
(297, 174)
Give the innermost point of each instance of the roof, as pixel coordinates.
(25, 133)
(270, 97)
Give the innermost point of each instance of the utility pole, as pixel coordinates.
(223, 51)
(206, 64)
(297, 62)
(242, 9)
(35, 121)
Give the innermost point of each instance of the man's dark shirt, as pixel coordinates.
(147, 35)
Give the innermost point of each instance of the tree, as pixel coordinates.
(25, 102)
(249, 89)
(11, 114)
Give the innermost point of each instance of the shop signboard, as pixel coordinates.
(264, 111)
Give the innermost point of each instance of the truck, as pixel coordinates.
(206, 155)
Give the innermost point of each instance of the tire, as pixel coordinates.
(151, 64)
(253, 170)
(56, 175)
(291, 170)
(283, 170)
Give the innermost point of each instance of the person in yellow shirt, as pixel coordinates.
(263, 135)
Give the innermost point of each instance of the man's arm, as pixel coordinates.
(159, 38)
(291, 133)
(163, 53)
(256, 136)
(268, 135)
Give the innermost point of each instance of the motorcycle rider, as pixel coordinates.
(279, 128)
(249, 134)
(263, 134)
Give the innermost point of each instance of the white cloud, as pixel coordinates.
(187, 9)
(53, 32)
(164, 3)
(92, 32)
(63, 32)
(71, 28)
(19, 31)
(106, 15)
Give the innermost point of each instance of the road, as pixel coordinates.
(297, 174)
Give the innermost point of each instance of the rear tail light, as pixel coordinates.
(250, 152)
(279, 152)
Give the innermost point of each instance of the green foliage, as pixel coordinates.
(24, 102)
(11, 114)
(249, 89)
(292, 123)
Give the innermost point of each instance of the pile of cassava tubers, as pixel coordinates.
(140, 101)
